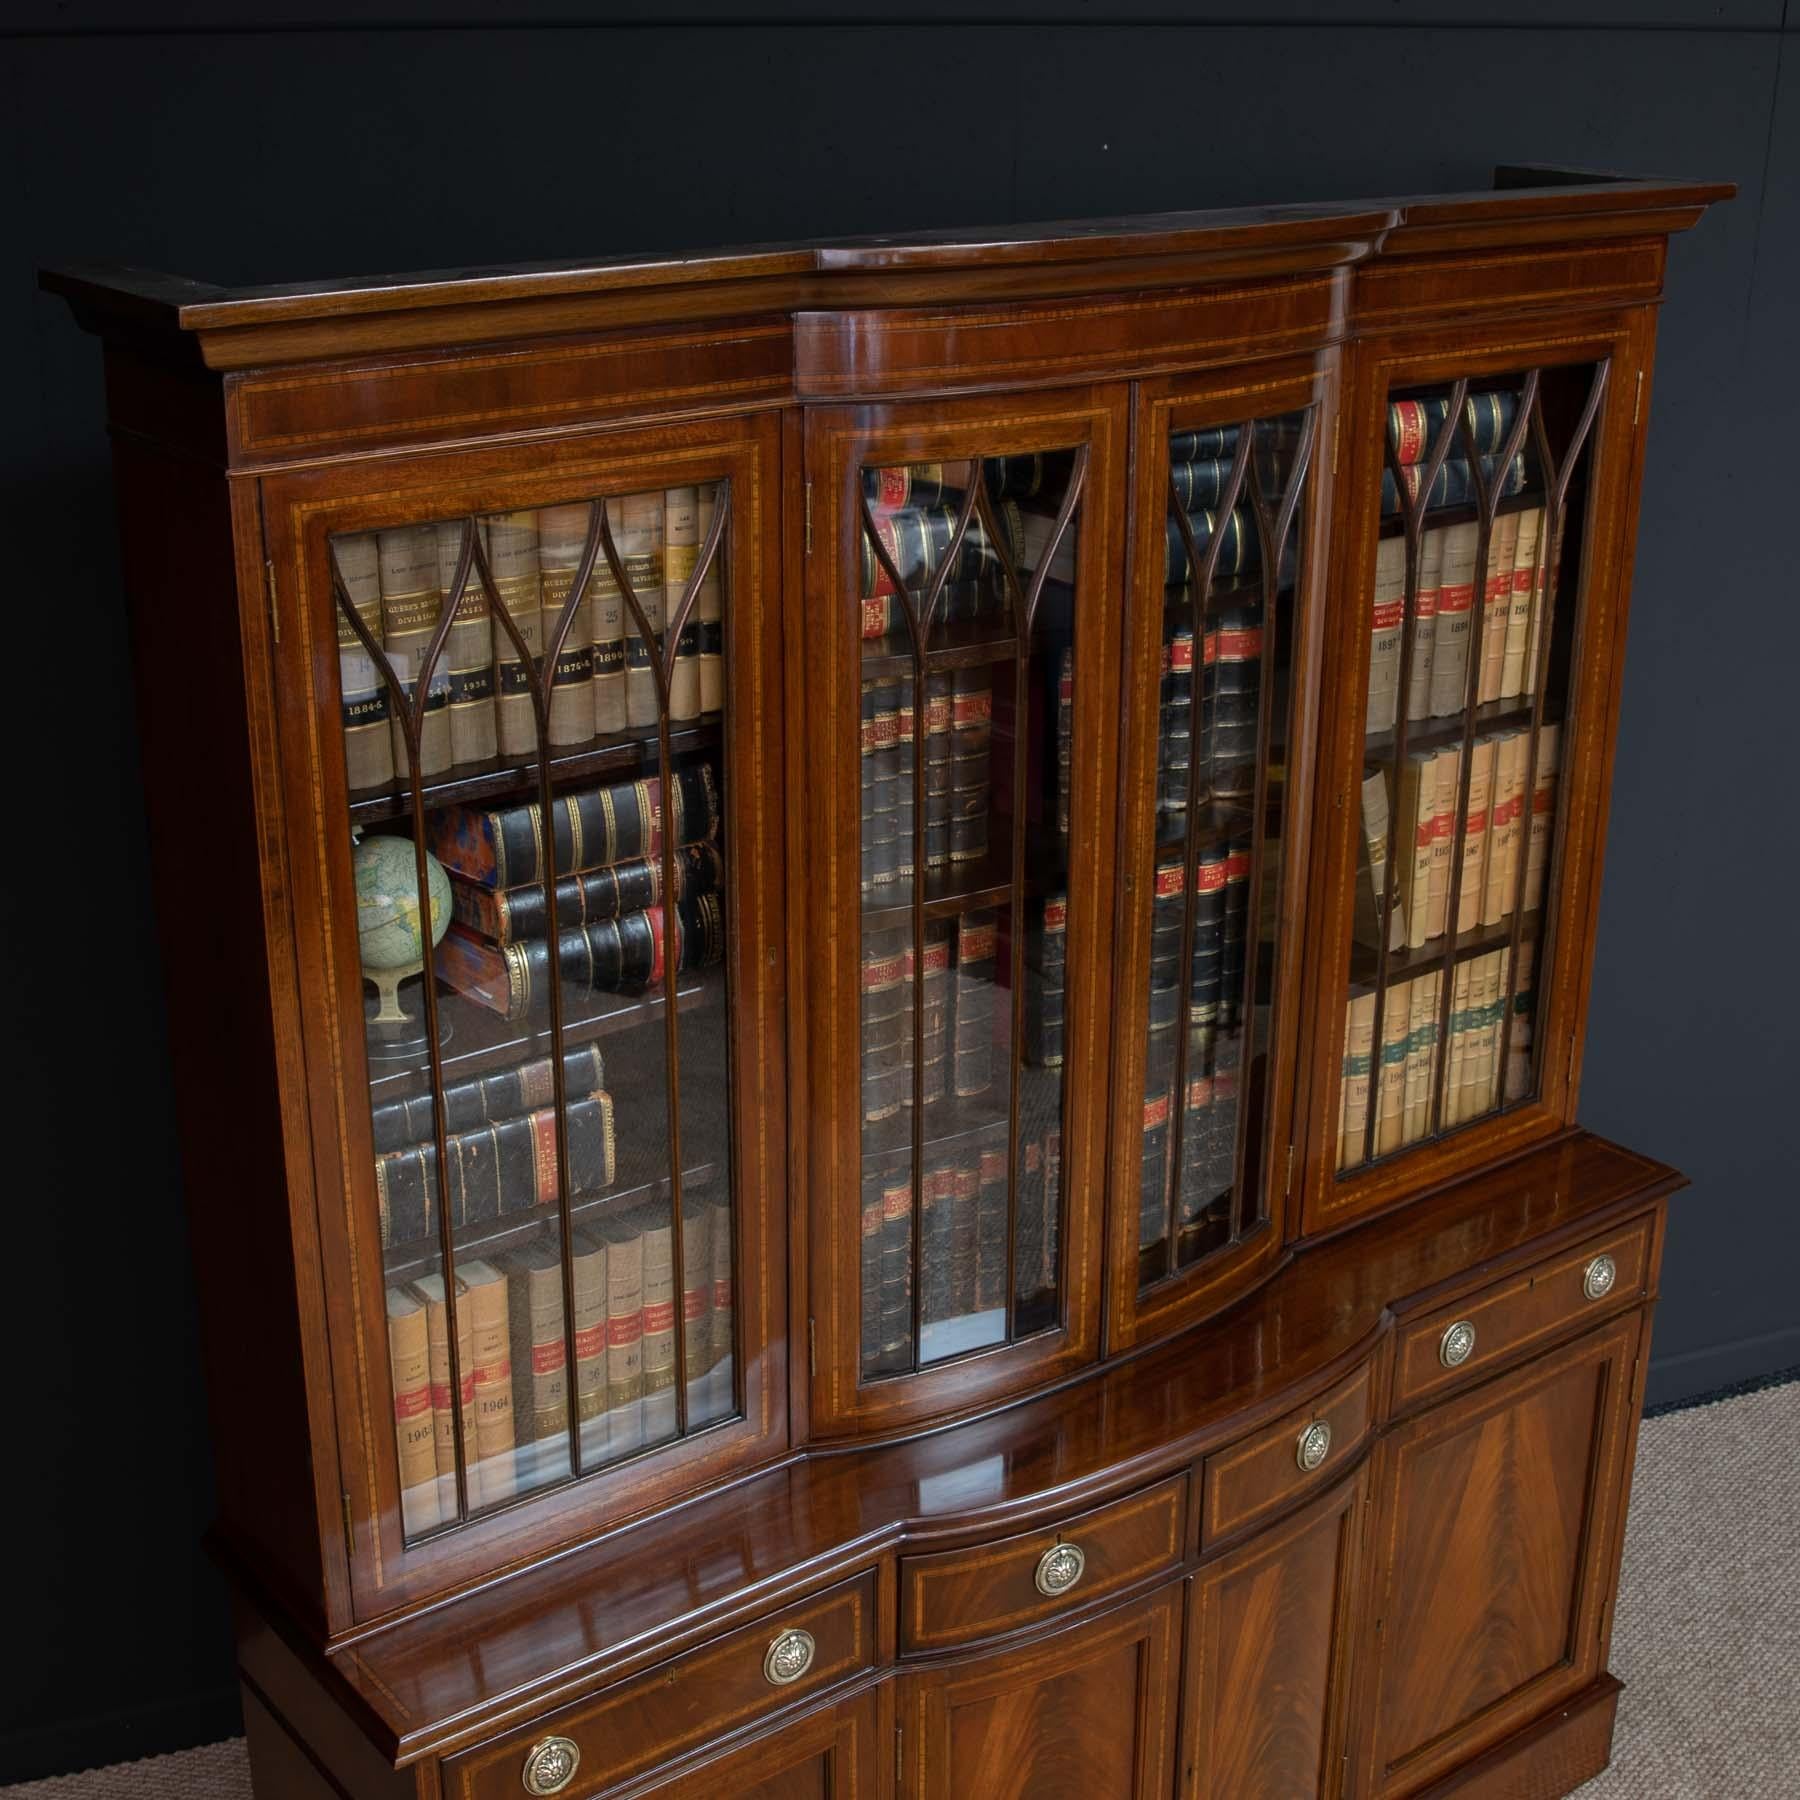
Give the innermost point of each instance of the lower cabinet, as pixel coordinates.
(1085, 1714)
(1496, 1541)
(1268, 1657)
(835, 1753)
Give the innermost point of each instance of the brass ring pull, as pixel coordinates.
(1059, 1568)
(1598, 1277)
(789, 1657)
(1457, 1344)
(1314, 1446)
(550, 1765)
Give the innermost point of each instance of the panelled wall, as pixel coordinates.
(171, 136)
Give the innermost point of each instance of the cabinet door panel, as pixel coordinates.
(1268, 1657)
(960, 619)
(1485, 527)
(1498, 1523)
(832, 1754)
(1228, 557)
(1088, 1714)
(532, 686)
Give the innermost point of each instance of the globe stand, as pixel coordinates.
(393, 1033)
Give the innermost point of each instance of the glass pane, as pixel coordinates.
(1469, 673)
(1227, 631)
(556, 676)
(966, 598)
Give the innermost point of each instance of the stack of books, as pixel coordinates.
(607, 846)
(478, 705)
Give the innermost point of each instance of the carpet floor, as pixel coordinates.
(1707, 1638)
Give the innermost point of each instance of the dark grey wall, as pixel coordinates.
(233, 154)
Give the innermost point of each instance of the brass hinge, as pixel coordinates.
(274, 611)
(812, 1347)
(1637, 398)
(809, 518)
(1289, 1187)
(349, 1526)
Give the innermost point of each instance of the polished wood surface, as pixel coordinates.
(1076, 1715)
(1269, 1655)
(1425, 1611)
(1498, 1521)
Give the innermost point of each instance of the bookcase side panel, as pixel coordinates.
(1530, 915)
(193, 571)
(613, 1247)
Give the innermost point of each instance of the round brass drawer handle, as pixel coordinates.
(1314, 1446)
(1457, 1344)
(1598, 1278)
(1059, 1568)
(789, 1657)
(550, 1765)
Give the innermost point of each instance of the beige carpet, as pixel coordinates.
(1707, 1640)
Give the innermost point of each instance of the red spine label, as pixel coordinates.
(543, 1154)
(1237, 866)
(1387, 614)
(972, 709)
(1211, 875)
(1168, 881)
(1056, 915)
(590, 1342)
(1240, 646)
(1456, 599)
(1156, 1112)
(977, 945)
(546, 1359)
(623, 1332)
(415, 1403)
(660, 1317)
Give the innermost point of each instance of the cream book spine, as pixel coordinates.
(1390, 1088)
(1457, 1049)
(681, 551)
(1503, 827)
(709, 608)
(512, 553)
(431, 1289)
(1358, 1064)
(1421, 1047)
(368, 726)
(1502, 542)
(1372, 894)
(1418, 807)
(469, 653)
(1424, 625)
(409, 1357)
(1543, 817)
(492, 1347)
(410, 602)
(1475, 835)
(639, 536)
(562, 536)
(1543, 603)
(1518, 612)
(1446, 768)
(1387, 617)
(1455, 609)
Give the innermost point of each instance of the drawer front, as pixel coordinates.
(1462, 1342)
(954, 1597)
(669, 1710)
(1304, 1450)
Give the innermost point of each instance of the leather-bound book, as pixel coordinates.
(589, 829)
(1237, 696)
(1456, 1050)
(1446, 769)
(681, 551)
(368, 740)
(1153, 1166)
(430, 1288)
(410, 603)
(487, 1099)
(659, 1321)
(515, 915)
(984, 1170)
(937, 1210)
(709, 610)
(1452, 485)
(409, 1360)
(886, 1062)
(1415, 840)
(624, 1334)
(1455, 611)
(512, 551)
(976, 975)
(562, 536)
(1415, 425)
(1543, 816)
(540, 1356)
(896, 1350)
(590, 1325)
(492, 1348)
(469, 652)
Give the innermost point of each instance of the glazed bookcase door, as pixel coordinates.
(1479, 610)
(962, 671)
(516, 688)
(1229, 530)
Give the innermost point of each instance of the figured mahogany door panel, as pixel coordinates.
(1088, 1714)
(1471, 680)
(1498, 1519)
(1229, 538)
(836, 1753)
(1268, 1657)
(519, 688)
(959, 620)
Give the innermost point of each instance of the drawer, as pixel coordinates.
(953, 1597)
(1459, 1343)
(679, 1705)
(1262, 1474)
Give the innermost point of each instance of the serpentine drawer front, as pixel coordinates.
(1496, 1324)
(1301, 1451)
(954, 1597)
(654, 1717)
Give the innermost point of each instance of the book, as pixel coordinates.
(1456, 1050)
(512, 553)
(1390, 1078)
(886, 1044)
(1423, 625)
(562, 538)
(1496, 613)
(430, 1288)
(984, 1172)
(709, 611)
(1414, 425)
(656, 1228)
(1387, 616)
(469, 652)
(1372, 874)
(612, 956)
(491, 1336)
(1518, 613)
(696, 1295)
(1452, 485)
(410, 1368)
(487, 1099)
(1476, 818)
(1046, 959)
(1543, 602)
(588, 830)
(1236, 628)
(1447, 775)
(368, 740)
(539, 1352)
(977, 973)
(1543, 817)
(496, 1171)
(410, 603)
(1240, 549)
(724, 1316)
(590, 1324)
(637, 524)
(514, 915)
(917, 540)
(1422, 994)
(1359, 1062)
(624, 1335)
(1416, 835)
(1505, 818)
(895, 1283)
(681, 554)
(1455, 608)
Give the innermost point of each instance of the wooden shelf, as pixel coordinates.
(1394, 524)
(480, 1041)
(967, 644)
(968, 887)
(949, 1123)
(621, 753)
(1439, 734)
(1402, 964)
